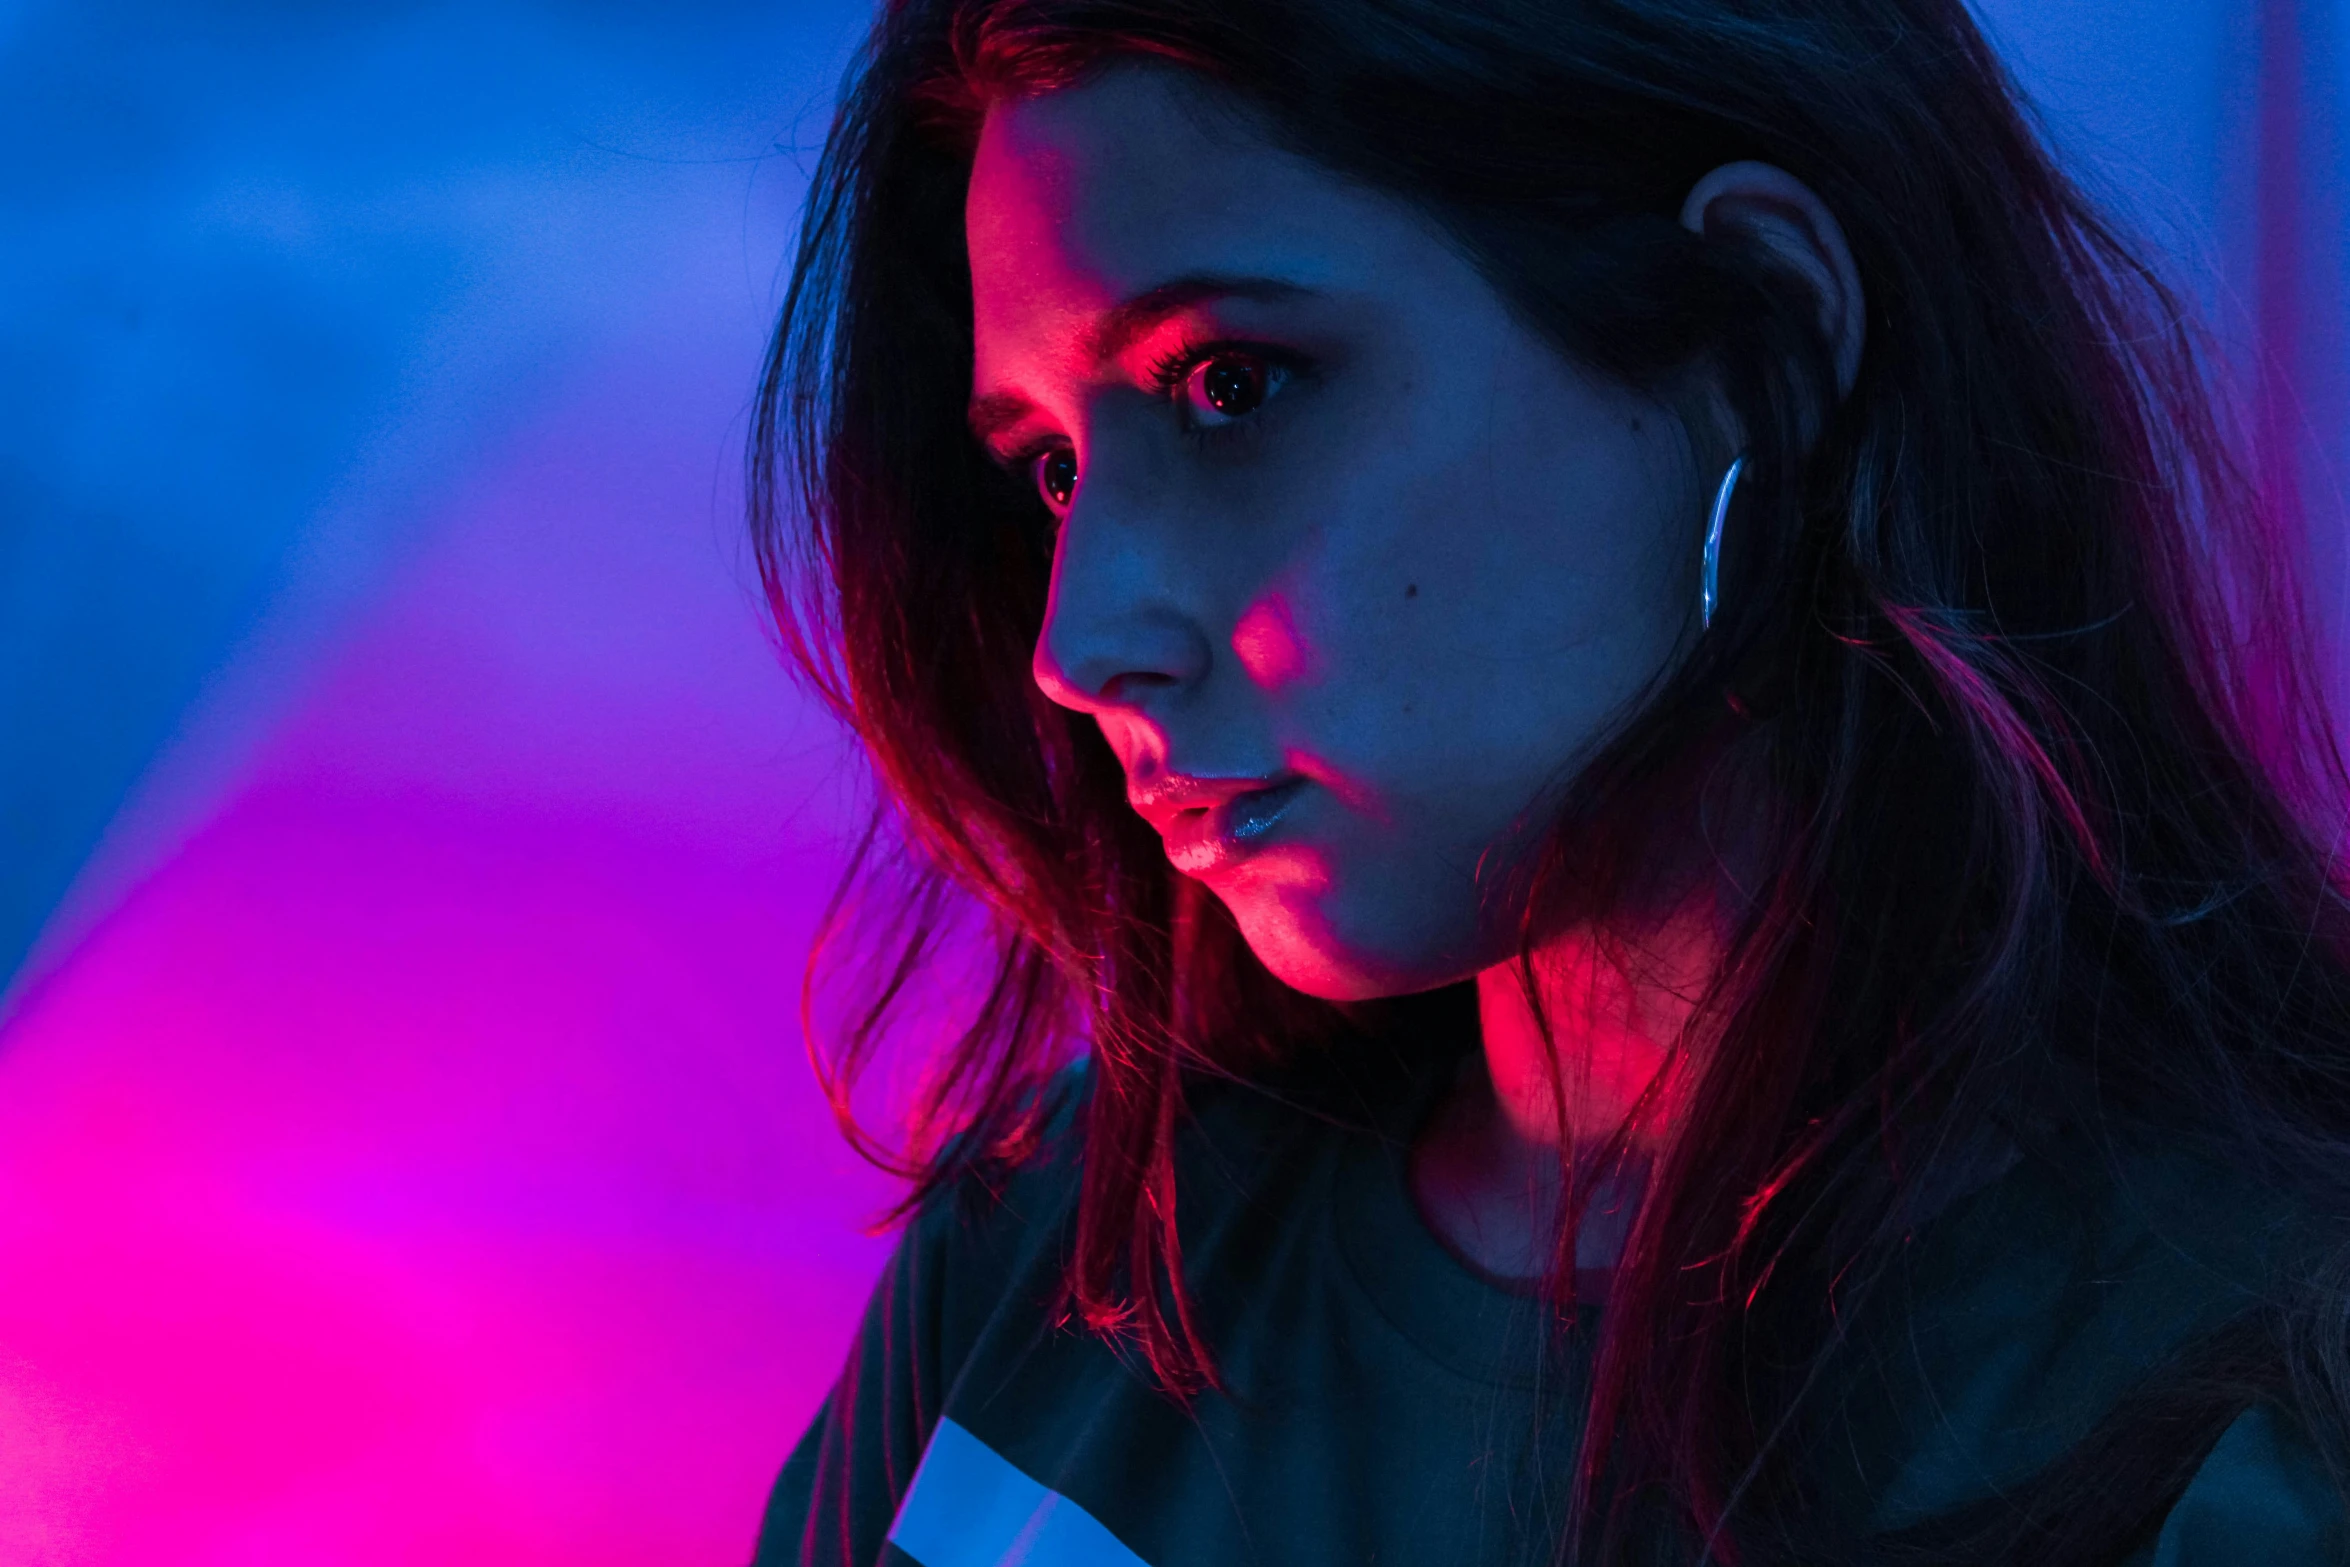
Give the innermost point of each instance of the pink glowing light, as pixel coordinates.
(423, 1166)
(1268, 644)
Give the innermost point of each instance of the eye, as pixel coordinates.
(1225, 387)
(1056, 476)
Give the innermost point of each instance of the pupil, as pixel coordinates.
(1233, 386)
(1056, 475)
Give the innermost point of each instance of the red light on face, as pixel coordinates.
(1268, 644)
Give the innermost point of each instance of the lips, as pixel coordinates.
(1214, 835)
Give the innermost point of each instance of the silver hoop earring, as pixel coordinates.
(1709, 580)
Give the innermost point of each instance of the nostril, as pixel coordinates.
(1106, 654)
(1129, 686)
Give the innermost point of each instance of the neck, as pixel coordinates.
(1489, 1171)
(1616, 1008)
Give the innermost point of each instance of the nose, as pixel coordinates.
(1116, 633)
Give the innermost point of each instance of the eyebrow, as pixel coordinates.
(1118, 329)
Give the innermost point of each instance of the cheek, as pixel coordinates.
(1528, 586)
(1466, 627)
(1458, 611)
(1270, 647)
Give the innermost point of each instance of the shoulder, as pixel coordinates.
(993, 1208)
(2261, 1495)
(1000, 1220)
(2033, 1308)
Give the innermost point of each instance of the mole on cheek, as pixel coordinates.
(1411, 590)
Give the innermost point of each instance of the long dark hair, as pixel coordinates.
(2008, 648)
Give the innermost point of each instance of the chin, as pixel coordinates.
(1336, 959)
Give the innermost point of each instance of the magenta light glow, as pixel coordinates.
(423, 1166)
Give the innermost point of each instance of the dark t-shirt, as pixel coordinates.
(1385, 1403)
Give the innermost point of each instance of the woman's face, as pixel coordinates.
(1352, 565)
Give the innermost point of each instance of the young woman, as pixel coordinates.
(1661, 871)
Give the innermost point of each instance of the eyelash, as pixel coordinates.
(1167, 376)
(1172, 370)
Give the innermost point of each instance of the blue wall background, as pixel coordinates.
(270, 274)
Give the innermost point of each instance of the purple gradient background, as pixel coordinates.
(406, 1153)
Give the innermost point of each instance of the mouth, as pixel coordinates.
(1205, 839)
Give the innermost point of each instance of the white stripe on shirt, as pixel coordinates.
(969, 1506)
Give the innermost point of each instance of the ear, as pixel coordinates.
(1759, 204)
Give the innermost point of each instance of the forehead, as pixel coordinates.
(1085, 196)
